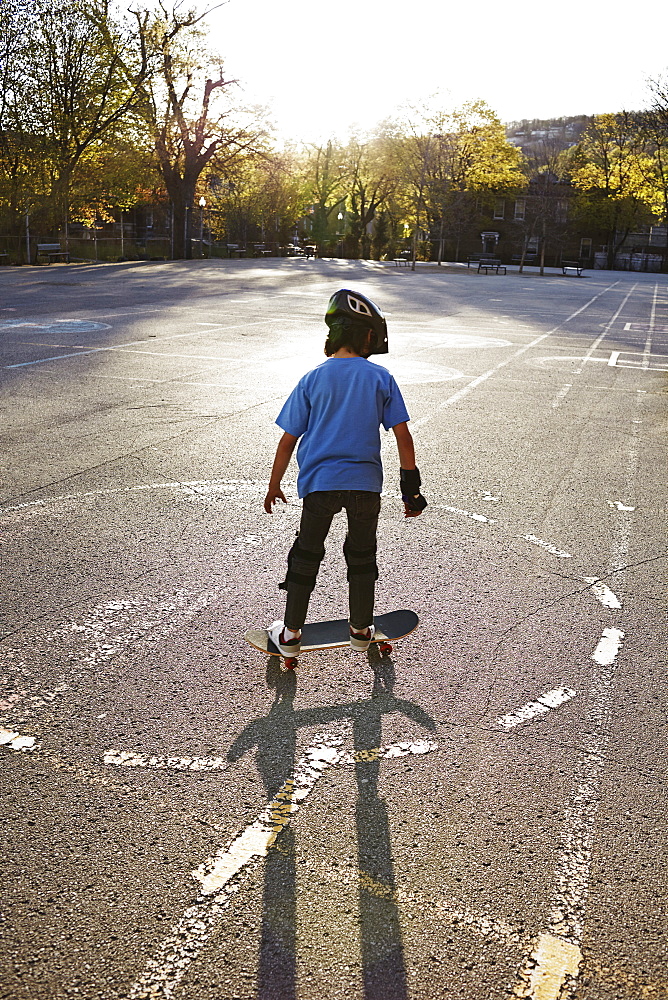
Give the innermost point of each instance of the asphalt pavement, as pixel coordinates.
(479, 815)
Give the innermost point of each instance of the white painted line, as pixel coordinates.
(178, 951)
(131, 758)
(606, 329)
(219, 875)
(128, 758)
(555, 960)
(537, 340)
(609, 645)
(547, 546)
(57, 357)
(120, 378)
(652, 320)
(465, 513)
(187, 357)
(618, 505)
(612, 360)
(133, 343)
(17, 742)
(256, 839)
(404, 749)
(533, 709)
(603, 593)
(192, 488)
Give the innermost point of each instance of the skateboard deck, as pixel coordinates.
(334, 634)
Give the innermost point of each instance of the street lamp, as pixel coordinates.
(202, 206)
(340, 234)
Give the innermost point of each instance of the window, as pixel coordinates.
(149, 220)
(585, 249)
(562, 210)
(520, 209)
(499, 208)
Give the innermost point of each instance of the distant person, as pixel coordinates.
(337, 410)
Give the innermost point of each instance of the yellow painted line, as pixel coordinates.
(553, 962)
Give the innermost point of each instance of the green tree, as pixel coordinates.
(327, 175)
(443, 155)
(371, 183)
(25, 173)
(70, 92)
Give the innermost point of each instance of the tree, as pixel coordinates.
(188, 109)
(448, 154)
(69, 92)
(371, 184)
(653, 125)
(610, 170)
(25, 173)
(547, 199)
(327, 176)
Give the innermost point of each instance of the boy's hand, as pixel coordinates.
(274, 493)
(414, 502)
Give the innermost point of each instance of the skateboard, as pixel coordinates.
(331, 635)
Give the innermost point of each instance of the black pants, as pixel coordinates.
(362, 509)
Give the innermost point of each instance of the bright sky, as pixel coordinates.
(325, 66)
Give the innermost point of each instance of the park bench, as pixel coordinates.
(475, 258)
(51, 250)
(572, 265)
(4, 257)
(404, 257)
(234, 250)
(491, 264)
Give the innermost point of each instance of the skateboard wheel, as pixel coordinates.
(385, 648)
(291, 663)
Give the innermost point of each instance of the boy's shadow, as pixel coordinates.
(275, 738)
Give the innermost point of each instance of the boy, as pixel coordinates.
(337, 410)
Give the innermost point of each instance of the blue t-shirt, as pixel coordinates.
(337, 410)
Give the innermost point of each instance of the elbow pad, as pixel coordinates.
(410, 489)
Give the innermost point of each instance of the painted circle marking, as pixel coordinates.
(56, 326)
(409, 372)
(468, 340)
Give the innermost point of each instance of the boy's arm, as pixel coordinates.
(284, 451)
(405, 446)
(410, 483)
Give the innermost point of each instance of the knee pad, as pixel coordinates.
(360, 562)
(310, 564)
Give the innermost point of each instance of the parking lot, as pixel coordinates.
(479, 815)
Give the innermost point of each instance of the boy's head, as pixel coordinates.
(355, 322)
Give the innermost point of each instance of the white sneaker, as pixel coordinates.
(291, 647)
(362, 640)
